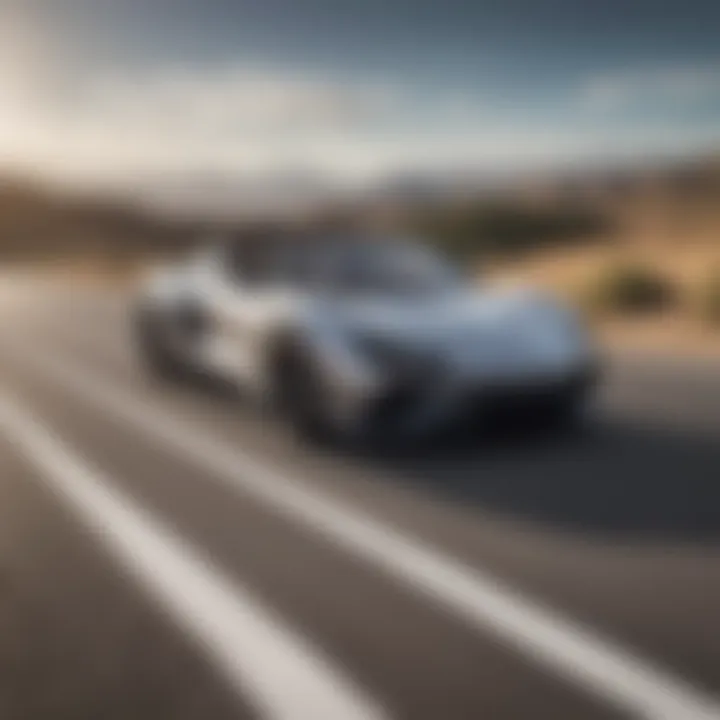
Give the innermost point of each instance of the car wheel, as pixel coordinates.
(301, 395)
(156, 354)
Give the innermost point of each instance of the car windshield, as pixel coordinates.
(383, 266)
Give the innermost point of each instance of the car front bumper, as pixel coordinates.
(416, 408)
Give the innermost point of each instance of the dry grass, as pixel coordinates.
(678, 239)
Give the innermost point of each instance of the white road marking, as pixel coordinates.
(617, 675)
(284, 677)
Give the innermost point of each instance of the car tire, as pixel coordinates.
(155, 353)
(301, 394)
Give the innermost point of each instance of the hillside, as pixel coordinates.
(549, 225)
(37, 224)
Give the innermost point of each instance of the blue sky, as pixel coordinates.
(359, 89)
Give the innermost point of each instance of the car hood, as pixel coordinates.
(442, 316)
(489, 327)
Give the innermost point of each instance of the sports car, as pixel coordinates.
(357, 336)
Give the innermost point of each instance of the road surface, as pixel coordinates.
(167, 552)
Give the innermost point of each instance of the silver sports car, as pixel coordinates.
(361, 336)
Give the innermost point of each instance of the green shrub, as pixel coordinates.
(630, 289)
(708, 300)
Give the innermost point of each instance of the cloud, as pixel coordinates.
(174, 123)
(179, 119)
(234, 121)
(663, 86)
(234, 100)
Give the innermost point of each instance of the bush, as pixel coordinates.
(631, 290)
(709, 298)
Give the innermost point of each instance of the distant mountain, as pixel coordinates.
(161, 212)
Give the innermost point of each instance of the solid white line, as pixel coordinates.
(276, 669)
(573, 651)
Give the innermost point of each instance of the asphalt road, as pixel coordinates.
(167, 552)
